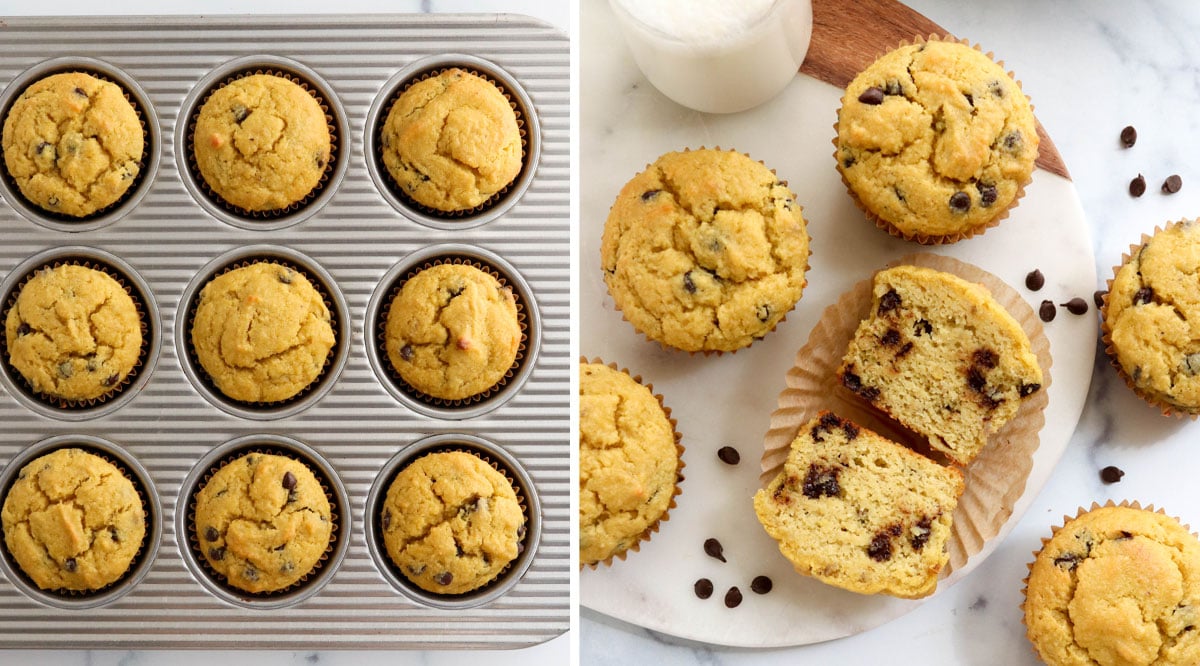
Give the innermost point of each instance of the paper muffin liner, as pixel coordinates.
(336, 511)
(994, 480)
(679, 477)
(398, 191)
(326, 297)
(933, 239)
(144, 317)
(335, 147)
(1157, 402)
(385, 307)
(765, 333)
(148, 149)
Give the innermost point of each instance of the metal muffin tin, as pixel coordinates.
(354, 236)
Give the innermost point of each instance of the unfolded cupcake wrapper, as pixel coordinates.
(326, 297)
(679, 477)
(1155, 401)
(335, 148)
(434, 401)
(932, 239)
(336, 510)
(994, 481)
(144, 318)
(721, 352)
(493, 200)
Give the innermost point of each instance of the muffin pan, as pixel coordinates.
(353, 237)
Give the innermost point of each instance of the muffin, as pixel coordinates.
(706, 250)
(935, 141)
(452, 331)
(73, 521)
(858, 511)
(262, 142)
(939, 355)
(451, 142)
(629, 463)
(1116, 585)
(1152, 319)
(73, 333)
(73, 144)
(263, 521)
(451, 522)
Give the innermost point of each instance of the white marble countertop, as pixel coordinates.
(1091, 68)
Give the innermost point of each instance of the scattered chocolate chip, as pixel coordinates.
(1076, 306)
(1172, 184)
(880, 549)
(285, 277)
(71, 565)
(240, 113)
(976, 380)
(1128, 136)
(904, 349)
(1013, 140)
(1035, 280)
(211, 533)
(65, 370)
(287, 567)
(650, 194)
(24, 329)
(922, 327)
(216, 554)
(970, 99)
(996, 88)
(250, 573)
(1047, 311)
(1098, 298)
(52, 201)
(1125, 534)
(713, 549)
(110, 380)
(289, 480)
(729, 455)
(45, 149)
(892, 87)
(1026, 390)
(1137, 186)
(821, 481)
(1067, 561)
(921, 532)
(890, 338)
(406, 352)
(985, 357)
(733, 598)
(848, 162)
(889, 301)
(873, 96)
(761, 585)
(444, 578)
(80, 91)
(763, 312)
(688, 285)
(703, 588)
(1143, 295)
(987, 194)
(1111, 474)
(960, 202)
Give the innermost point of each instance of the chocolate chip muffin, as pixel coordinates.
(73, 333)
(73, 521)
(705, 250)
(939, 355)
(451, 522)
(73, 143)
(451, 141)
(1116, 585)
(935, 141)
(263, 521)
(262, 142)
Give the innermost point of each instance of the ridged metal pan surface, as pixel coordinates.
(356, 236)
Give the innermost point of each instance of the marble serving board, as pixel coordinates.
(727, 400)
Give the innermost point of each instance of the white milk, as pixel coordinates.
(717, 56)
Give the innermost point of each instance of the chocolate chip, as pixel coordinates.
(985, 357)
(703, 588)
(1076, 306)
(1172, 184)
(763, 312)
(688, 285)
(976, 380)
(240, 113)
(713, 549)
(921, 533)
(922, 326)
(987, 194)
(729, 455)
(1013, 140)
(880, 549)
(1035, 280)
(970, 99)
(1098, 298)
(1111, 474)
(996, 88)
(848, 162)
(960, 202)
(24, 329)
(1137, 186)
(406, 352)
(854, 383)
(110, 380)
(1047, 311)
(733, 598)
(444, 578)
(761, 585)
(211, 533)
(52, 201)
(821, 481)
(650, 194)
(289, 480)
(1143, 295)
(45, 149)
(892, 87)
(216, 554)
(904, 349)
(1026, 390)
(70, 565)
(80, 91)
(287, 567)
(65, 370)
(873, 96)
(890, 338)
(386, 521)
(889, 301)
(1067, 561)
(1128, 136)
(285, 277)
(250, 573)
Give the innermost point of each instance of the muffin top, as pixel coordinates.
(451, 522)
(262, 332)
(73, 333)
(452, 141)
(628, 462)
(452, 331)
(263, 521)
(936, 140)
(1152, 318)
(705, 250)
(1117, 585)
(73, 521)
(262, 142)
(73, 143)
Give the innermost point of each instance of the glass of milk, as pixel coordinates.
(717, 56)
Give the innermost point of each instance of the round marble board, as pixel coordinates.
(727, 400)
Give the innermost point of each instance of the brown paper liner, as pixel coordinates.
(334, 318)
(721, 352)
(148, 149)
(933, 239)
(395, 187)
(679, 477)
(1163, 406)
(139, 304)
(433, 401)
(193, 167)
(335, 512)
(995, 480)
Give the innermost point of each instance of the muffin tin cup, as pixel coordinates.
(493, 397)
(142, 561)
(143, 299)
(499, 459)
(501, 202)
(325, 285)
(325, 568)
(148, 166)
(311, 203)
